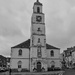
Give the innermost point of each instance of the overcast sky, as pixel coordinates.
(15, 23)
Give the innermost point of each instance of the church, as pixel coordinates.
(35, 54)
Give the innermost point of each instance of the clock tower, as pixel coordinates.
(38, 38)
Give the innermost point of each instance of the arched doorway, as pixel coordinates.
(52, 64)
(19, 65)
(38, 66)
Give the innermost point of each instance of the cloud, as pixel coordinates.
(60, 22)
(15, 22)
(72, 2)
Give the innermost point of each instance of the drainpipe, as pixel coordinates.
(29, 59)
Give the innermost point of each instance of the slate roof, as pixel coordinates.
(26, 44)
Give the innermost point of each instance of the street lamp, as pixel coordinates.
(9, 71)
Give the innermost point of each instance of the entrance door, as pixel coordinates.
(38, 66)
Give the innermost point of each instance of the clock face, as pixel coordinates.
(38, 18)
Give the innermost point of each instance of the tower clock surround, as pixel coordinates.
(38, 18)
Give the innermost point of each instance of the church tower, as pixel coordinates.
(38, 38)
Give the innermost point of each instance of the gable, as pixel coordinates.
(51, 47)
(26, 44)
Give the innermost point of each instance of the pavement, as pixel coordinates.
(69, 72)
(43, 73)
(4, 73)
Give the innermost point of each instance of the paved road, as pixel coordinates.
(69, 72)
(4, 73)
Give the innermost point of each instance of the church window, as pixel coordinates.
(38, 40)
(39, 52)
(38, 29)
(20, 52)
(38, 10)
(19, 64)
(52, 53)
(52, 64)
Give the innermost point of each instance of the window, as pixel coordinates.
(39, 52)
(38, 10)
(20, 52)
(38, 40)
(70, 53)
(52, 64)
(38, 29)
(19, 64)
(52, 53)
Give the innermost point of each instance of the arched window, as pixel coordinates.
(52, 53)
(38, 10)
(19, 64)
(20, 52)
(38, 29)
(38, 40)
(39, 52)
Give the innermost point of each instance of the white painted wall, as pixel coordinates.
(35, 28)
(35, 40)
(56, 57)
(73, 57)
(14, 63)
(56, 53)
(14, 53)
(15, 57)
(33, 52)
(44, 54)
(57, 63)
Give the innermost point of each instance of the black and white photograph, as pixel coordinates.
(37, 37)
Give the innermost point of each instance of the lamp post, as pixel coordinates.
(29, 58)
(9, 71)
